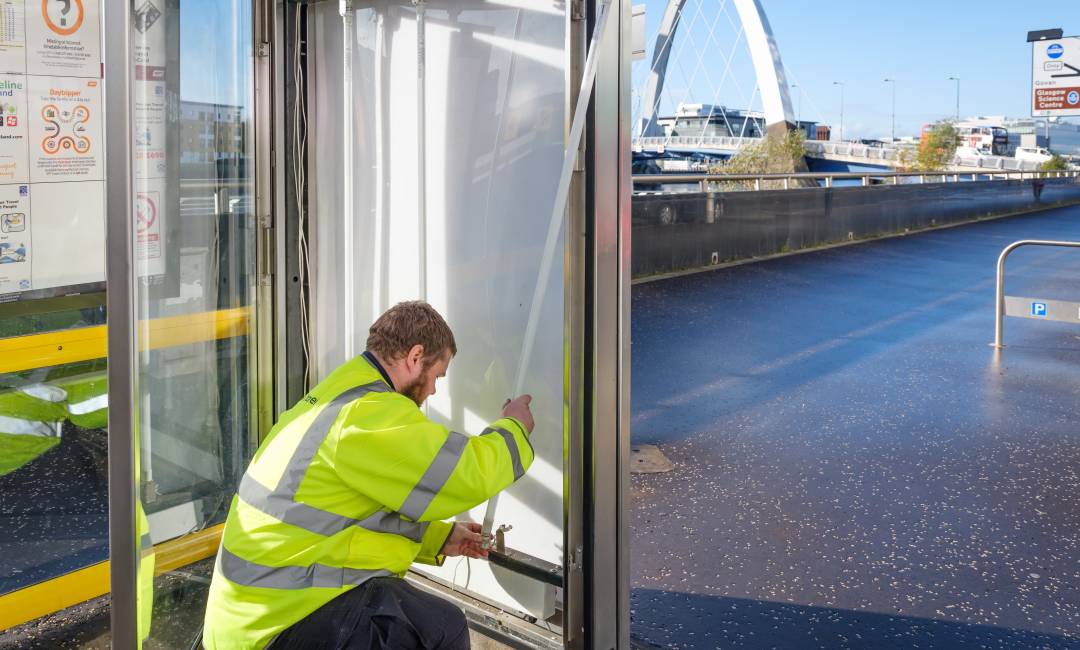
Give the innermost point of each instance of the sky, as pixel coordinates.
(920, 43)
(215, 51)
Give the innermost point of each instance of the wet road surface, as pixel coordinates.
(855, 467)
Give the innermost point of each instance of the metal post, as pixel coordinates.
(123, 488)
(828, 181)
(957, 80)
(757, 183)
(841, 84)
(999, 299)
(893, 82)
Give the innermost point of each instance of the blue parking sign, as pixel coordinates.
(1038, 309)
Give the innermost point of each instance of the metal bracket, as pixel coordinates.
(577, 10)
(268, 257)
(528, 566)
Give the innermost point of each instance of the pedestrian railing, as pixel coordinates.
(1037, 308)
(735, 182)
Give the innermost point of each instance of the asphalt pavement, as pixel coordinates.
(855, 466)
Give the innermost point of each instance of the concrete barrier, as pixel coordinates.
(686, 232)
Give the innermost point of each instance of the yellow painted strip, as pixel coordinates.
(76, 587)
(36, 601)
(86, 343)
(186, 550)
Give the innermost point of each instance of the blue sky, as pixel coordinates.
(215, 51)
(920, 43)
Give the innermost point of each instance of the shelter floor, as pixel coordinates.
(855, 466)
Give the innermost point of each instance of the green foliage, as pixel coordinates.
(937, 147)
(1056, 164)
(773, 155)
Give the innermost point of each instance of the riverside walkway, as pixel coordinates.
(855, 466)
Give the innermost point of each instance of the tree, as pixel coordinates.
(1056, 163)
(773, 155)
(937, 147)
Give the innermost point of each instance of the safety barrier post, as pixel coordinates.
(999, 302)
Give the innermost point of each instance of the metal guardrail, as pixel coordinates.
(999, 321)
(837, 149)
(790, 181)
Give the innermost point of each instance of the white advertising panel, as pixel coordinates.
(493, 147)
(1055, 77)
(51, 128)
(68, 233)
(63, 38)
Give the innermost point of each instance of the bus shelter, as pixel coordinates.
(211, 203)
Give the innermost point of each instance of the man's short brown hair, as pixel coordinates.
(407, 324)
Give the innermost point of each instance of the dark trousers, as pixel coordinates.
(381, 613)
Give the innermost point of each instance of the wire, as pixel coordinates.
(300, 124)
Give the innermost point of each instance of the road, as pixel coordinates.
(855, 467)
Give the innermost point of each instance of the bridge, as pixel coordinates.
(845, 152)
(689, 37)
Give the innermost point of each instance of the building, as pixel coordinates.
(718, 121)
(1055, 134)
(212, 136)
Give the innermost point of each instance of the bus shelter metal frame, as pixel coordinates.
(597, 321)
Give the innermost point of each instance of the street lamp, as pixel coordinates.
(841, 84)
(893, 82)
(798, 103)
(957, 80)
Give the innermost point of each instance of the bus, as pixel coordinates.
(978, 138)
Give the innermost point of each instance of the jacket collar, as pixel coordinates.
(378, 366)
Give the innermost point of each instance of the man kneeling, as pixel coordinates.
(348, 489)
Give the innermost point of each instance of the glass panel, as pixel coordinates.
(195, 264)
(53, 495)
(472, 237)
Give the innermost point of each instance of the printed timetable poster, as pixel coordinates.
(13, 36)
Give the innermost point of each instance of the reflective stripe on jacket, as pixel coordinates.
(349, 485)
(30, 419)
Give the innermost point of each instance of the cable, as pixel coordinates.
(300, 124)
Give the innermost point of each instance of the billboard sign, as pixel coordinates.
(1055, 77)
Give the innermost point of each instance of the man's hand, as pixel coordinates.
(464, 540)
(518, 408)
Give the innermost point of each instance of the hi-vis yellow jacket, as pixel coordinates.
(349, 485)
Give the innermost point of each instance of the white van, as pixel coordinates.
(1035, 154)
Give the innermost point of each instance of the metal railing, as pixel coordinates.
(999, 305)
(865, 152)
(738, 182)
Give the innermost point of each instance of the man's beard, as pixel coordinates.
(414, 390)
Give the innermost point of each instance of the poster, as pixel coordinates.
(65, 130)
(63, 38)
(149, 219)
(149, 92)
(15, 241)
(14, 157)
(12, 36)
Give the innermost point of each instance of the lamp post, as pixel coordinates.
(841, 84)
(957, 80)
(893, 82)
(798, 103)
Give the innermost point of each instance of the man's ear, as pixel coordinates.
(415, 356)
